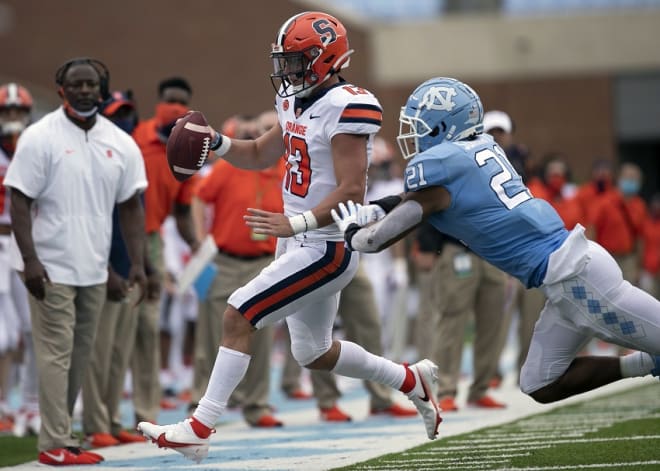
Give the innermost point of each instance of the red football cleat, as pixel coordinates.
(299, 395)
(395, 410)
(167, 404)
(267, 421)
(128, 437)
(100, 440)
(447, 404)
(334, 414)
(68, 456)
(487, 402)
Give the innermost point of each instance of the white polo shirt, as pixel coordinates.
(75, 177)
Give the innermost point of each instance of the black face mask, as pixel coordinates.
(601, 185)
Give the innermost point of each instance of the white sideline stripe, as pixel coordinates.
(185, 171)
(471, 446)
(197, 128)
(479, 465)
(584, 466)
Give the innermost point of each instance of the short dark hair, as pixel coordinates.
(174, 82)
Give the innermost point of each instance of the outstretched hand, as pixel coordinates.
(267, 223)
(349, 215)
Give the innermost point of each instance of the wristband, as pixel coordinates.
(221, 146)
(388, 203)
(303, 222)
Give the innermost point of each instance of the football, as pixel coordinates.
(189, 145)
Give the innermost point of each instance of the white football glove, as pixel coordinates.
(349, 212)
(369, 213)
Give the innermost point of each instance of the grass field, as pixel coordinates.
(617, 432)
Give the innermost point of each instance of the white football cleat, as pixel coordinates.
(424, 393)
(179, 437)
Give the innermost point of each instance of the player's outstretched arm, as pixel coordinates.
(403, 218)
(250, 154)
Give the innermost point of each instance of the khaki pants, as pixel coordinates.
(361, 321)
(253, 392)
(63, 330)
(145, 362)
(468, 289)
(103, 385)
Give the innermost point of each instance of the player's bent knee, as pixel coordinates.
(234, 324)
(546, 394)
(307, 356)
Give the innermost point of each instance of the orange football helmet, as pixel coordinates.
(310, 47)
(15, 106)
(12, 94)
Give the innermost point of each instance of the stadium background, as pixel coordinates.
(580, 77)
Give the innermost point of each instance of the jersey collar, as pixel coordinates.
(303, 104)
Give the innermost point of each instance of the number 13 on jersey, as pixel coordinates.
(298, 166)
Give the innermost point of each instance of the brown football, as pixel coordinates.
(189, 145)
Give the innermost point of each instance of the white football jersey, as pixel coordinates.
(308, 129)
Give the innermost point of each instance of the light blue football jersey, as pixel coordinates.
(491, 211)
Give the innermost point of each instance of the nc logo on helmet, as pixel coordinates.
(439, 98)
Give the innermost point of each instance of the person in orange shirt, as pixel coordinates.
(617, 218)
(164, 195)
(650, 277)
(554, 190)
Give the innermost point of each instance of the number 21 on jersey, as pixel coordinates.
(505, 175)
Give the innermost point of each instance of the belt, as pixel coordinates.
(244, 257)
(5, 229)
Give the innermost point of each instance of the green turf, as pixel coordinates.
(15, 450)
(619, 432)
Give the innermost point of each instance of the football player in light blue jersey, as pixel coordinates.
(460, 180)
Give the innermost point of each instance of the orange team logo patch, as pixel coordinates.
(285, 105)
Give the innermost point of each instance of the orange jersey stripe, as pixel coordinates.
(362, 113)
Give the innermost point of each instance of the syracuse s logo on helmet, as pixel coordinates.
(326, 32)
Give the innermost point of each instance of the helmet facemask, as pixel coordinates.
(411, 129)
(293, 74)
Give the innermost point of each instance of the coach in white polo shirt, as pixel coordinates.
(69, 170)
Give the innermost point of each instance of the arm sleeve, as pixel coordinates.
(28, 170)
(134, 178)
(375, 237)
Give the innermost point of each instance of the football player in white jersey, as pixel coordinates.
(325, 133)
(460, 181)
(15, 113)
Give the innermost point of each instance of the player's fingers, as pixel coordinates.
(257, 212)
(335, 216)
(343, 210)
(352, 210)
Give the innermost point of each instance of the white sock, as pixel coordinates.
(355, 362)
(636, 364)
(229, 368)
